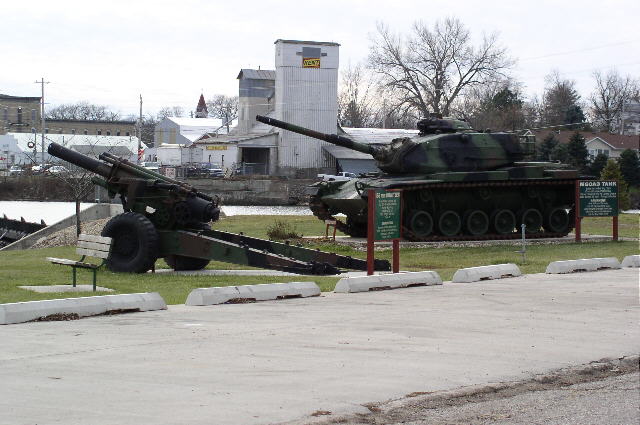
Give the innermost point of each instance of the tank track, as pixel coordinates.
(321, 211)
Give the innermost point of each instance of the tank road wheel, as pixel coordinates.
(449, 223)
(503, 222)
(421, 223)
(135, 243)
(556, 220)
(532, 218)
(180, 262)
(476, 222)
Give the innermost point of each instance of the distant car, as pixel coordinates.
(216, 172)
(15, 170)
(40, 168)
(342, 176)
(153, 166)
(57, 169)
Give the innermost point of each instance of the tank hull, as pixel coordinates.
(460, 206)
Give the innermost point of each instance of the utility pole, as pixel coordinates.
(42, 82)
(139, 133)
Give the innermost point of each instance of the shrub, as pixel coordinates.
(281, 230)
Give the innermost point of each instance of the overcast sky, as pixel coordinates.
(109, 52)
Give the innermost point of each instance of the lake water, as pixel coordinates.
(52, 212)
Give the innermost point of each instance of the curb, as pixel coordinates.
(631, 261)
(584, 264)
(496, 271)
(387, 281)
(261, 292)
(83, 306)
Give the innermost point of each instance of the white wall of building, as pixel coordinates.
(307, 97)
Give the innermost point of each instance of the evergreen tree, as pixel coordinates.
(546, 147)
(577, 151)
(611, 171)
(597, 165)
(560, 153)
(630, 166)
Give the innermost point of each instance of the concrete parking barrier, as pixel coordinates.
(387, 281)
(631, 261)
(83, 306)
(583, 265)
(261, 292)
(495, 271)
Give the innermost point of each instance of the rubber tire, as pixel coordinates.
(527, 215)
(457, 226)
(501, 227)
(135, 243)
(180, 262)
(559, 224)
(476, 215)
(421, 219)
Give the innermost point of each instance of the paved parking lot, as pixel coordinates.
(281, 361)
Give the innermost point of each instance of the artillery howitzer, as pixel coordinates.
(458, 184)
(166, 218)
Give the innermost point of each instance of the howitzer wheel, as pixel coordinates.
(135, 243)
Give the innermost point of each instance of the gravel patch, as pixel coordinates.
(68, 235)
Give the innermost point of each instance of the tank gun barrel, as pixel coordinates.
(80, 160)
(330, 138)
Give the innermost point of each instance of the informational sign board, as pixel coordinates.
(387, 215)
(598, 198)
(311, 62)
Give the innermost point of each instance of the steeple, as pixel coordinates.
(201, 109)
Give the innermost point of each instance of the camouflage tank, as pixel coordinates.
(457, 183)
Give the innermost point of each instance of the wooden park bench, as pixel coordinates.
(88, 246)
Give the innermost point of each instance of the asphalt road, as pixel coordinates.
(282, 361)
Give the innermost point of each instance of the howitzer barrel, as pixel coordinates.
(80, 160)
(331, 138)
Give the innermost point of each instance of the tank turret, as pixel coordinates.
(443, 144)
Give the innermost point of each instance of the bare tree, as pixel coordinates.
(82, 111)
(170, 111)
(431, 67)
(611, 92)
(223, 107)
(356, 106)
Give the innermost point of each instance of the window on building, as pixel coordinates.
(73, 131)
(46, 130)
(606, 152)
(128, 134)
(99, 132)
(33, 130)
(33, 115)
(86, 131)
(19, 115)
(117, 132)
(108, 133)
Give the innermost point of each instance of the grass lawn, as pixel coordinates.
(628, 225)
(29, 267)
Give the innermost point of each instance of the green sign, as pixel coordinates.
(387, 219)
(598, 198)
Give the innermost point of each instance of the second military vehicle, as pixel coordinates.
(457, 183)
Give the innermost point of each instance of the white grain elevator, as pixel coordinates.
(306, 95)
